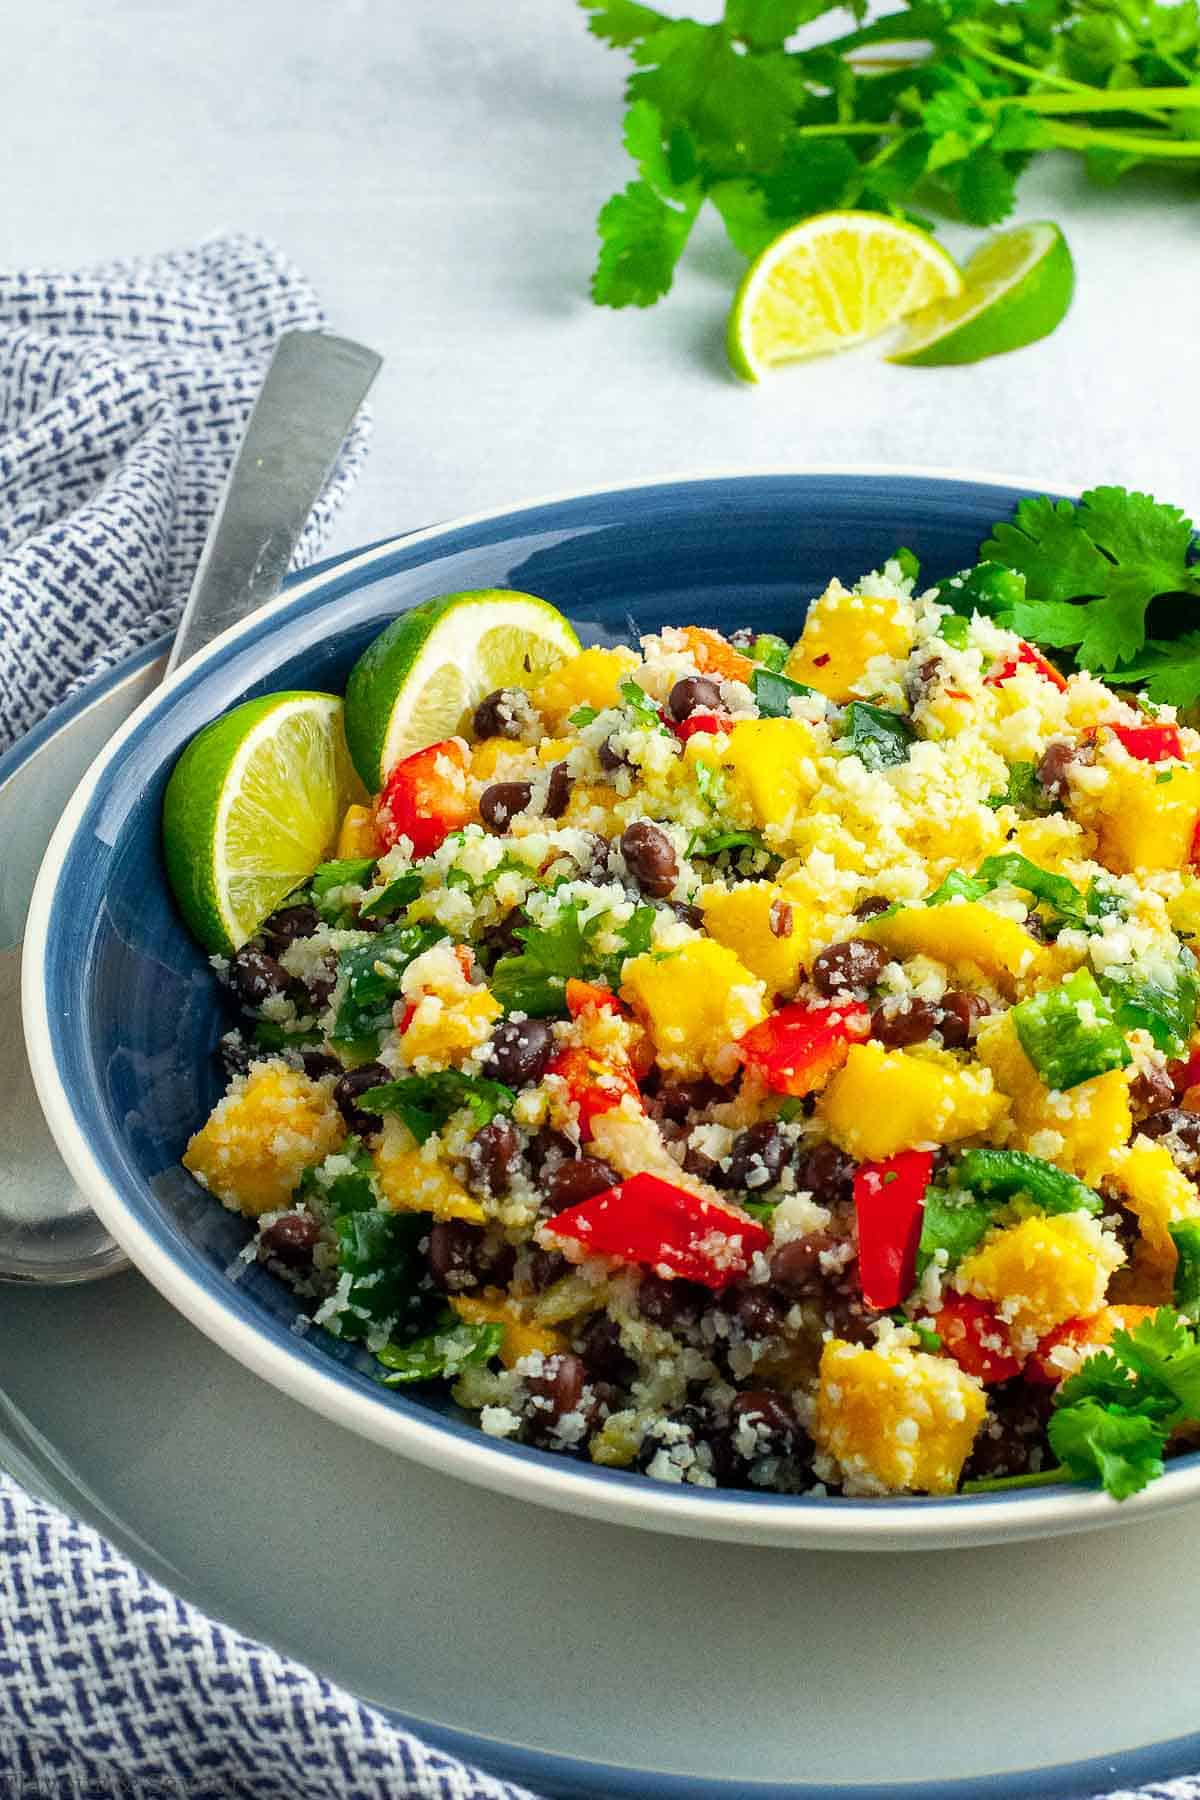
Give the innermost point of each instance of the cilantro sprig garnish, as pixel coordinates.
(727, 114)
(566, 946)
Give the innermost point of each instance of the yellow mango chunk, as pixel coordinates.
(842, 633)
(771, 761)
(491, 755)
(765, 930)
(896, 1421)
(970, 939)
(1080, 1131)
(412, 1179)
(1184, 910)
(520, 1337)
(1160, 1196)
(447, 1028)
(694, 1003)
(592, 678)
(1140, 822)
(1042, 1271)
(261, 1136)
(882, 1101)
(357, 835)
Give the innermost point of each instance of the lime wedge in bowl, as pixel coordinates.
(427, 671)
(251, 808)
(1018, 288)
(831, 282)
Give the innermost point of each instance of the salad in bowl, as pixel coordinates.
(752, 1062)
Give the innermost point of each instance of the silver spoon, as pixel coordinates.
(312, 390)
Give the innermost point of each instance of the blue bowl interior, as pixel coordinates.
(135, 1010)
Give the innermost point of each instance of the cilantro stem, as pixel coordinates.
(1044, 1478)
(847, 129)
(1133, 143)
(1110, 100)
(1026, 71)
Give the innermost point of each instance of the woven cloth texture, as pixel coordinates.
(123, 391)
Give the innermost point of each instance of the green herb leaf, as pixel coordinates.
(372, 974)
(535, 981)
(334, 1188)
(1122, 1450)
(441, 1355)
(330, 878)
(643, 708)
(879, 738)
(378, 1250)
(1022, 790)
(1186, 1238)
(957, 886)
(583, 715)
(395, 897)
(425, 1102)
(773, 693)
(1055, 890)
(1157, 994)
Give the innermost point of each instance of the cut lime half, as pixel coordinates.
(831, 282)
(426, 672)
(1018, 288)
(251, 808)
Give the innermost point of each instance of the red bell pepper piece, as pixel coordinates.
(582, 995)
(700, 721)
(651, 1221)
(1150, 743)
(1032, 659)
(425, 797)
(973, 1333)
(798, 1047)
(889, 1202)
(1186, 1074)
(593, 1084)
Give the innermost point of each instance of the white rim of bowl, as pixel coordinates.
(884, 1524)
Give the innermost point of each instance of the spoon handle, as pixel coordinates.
(312, 390)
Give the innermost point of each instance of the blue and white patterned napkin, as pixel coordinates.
(123, 392)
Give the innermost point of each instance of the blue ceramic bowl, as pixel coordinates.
(122, 1012)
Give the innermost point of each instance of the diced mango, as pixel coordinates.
(412, 1179)
(1141, 821)
(447, 1028)
(883, 1101)
(552, 750)
(765, 931)
(1081, 1130)
(260, 1137)
(1184, 910)
(1160, 1195)
(521, 1338)
(357, 835)
(490, 755)
(695, 1003)
(592, 678)
(1043, 1270)
(896, 1421)
(970, 939)
(771, 761)
(842, 633)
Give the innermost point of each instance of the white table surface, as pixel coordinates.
(435, 166)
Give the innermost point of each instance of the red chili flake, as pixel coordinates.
(820, 661)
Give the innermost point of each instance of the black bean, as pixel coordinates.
(918, 681)
(676, 1099)
(521, 1050)
(1014, 1428)
(317, 1064)
(849, 1317)
(687, 914)
(912, 1023)
(547, 1150)
(756, 1311)
(705, 1168)
(873, 904)
(610, 758)
(497, 716)
(960, 1014)
(1151, 1090)
(561, 1382)
(772, 1417)
(593, 856)
(456, 1255)
(234, 1053)
(827, 1173)
(291, 1239)
(500, 803)
(796, 1265)
(501, 939)
(674, 1305)
(601, 1348)
(257, 976)
(759, 1157)
(492, 1153)
(545, 1268)
(1052, 768)
(650, 858)
(854, 963)
(288, 924)
(558, 792)
(1037, 927)
(320, 984)
(353, 1083)
(580, 1180)
(1173, 1121)
(695, 693)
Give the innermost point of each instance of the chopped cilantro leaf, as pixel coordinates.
(645, 712)
(378, 1250)
(1122, 1450)
(425, 1102)
(1159, 995)
(338, 1189)
(1023, 789)
(773, 692)
(395, 897)
(879, 738)
(1185, 1235)
(372, 973)
(441, 1355)
(535, 981)
(583, 715)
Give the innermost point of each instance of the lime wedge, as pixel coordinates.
(424, 675)
(1018, 288)
(833, 281)
(252, 806)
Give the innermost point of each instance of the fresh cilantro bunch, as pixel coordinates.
(727, 113)
(1092, 572)
(1112, 1419)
